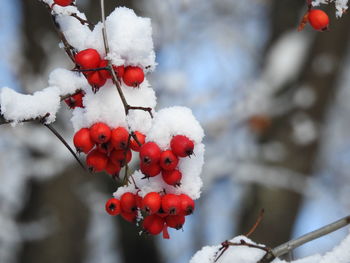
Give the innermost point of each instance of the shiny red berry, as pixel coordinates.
(172, 177)
(182, 146)
(150, 153)
(175, 221)
(96, 161)
(168, 160)
(318, 19)
(113, 207)
(82, 141)
(187, 204)
(171, 204)
(104, 73)
(128, 202)
(75, 100)
(130, 217)
(96, 80)
(133, 76)
(100, 132)
(88, 58)
(105, 148)
(150, 170)
(119, 70)
(121, 157)
(153, 224)
(151, 202)
(119, 138)
(63, 2)
(112, 168)
(140, 138)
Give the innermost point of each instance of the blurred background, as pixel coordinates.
(273, 103)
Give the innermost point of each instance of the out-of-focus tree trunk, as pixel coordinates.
(328, 50)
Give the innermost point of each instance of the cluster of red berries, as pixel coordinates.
(63, 2)
(317, 18)
(154, 161)
(90, 59)
(76, 100)
(161, 211)
(107, 149)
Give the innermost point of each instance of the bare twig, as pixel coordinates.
(56, 133)
(290, 245)
(81, 20)
(260, 217)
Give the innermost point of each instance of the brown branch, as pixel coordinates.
(116, 82)
(58, 135)
(81, 20)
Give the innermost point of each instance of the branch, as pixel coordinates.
(56, 133)
(290, 245)
(115, 80)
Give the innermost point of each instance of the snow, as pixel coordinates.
(106, 106)
(18, 107)
(340, 5)
(130, 38)
(234, 254)
(244, 254)
(67, 81)
(172, 121)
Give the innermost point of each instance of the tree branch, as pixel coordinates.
(290, 245)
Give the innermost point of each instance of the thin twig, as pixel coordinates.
(56, 133)
(290, 245)
(81, 20)
(260, 217)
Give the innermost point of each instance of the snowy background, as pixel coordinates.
(273, 104)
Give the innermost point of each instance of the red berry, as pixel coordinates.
(96, 161)
(151, 202)
(121, 157)
(318, 19)
(113, 207)
(150, 170)
(150, 153)
(187, 204)
(171, 204)
(119, 70)
(63, 2)
(75, 100)
(168, 160)
(153, 224)
(172, 177)
(139, 201)
(88, 58)
(141, 139)
(176, 221)
(128, 202)
(104, 73)
(133, 76)
(112, 168)
(100, 132)
(105, 148)
(119, 138)
(182, 146)
(82, 141)
(96, 80)
(130, 217)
